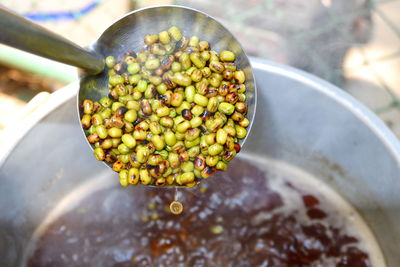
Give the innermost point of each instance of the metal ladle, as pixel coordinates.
(125, 34)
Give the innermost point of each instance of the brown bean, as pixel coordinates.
(241, 107)
(208, 171)
(232, 98)
(146, 107)
(223, 89)
(200, 162)
(93, 138)
(187, 114)
(183, 156)
(167, 62)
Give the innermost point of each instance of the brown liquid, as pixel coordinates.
(237, 221)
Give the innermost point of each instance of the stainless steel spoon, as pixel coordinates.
(125, 34)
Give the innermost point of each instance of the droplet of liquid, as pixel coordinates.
(176, 207)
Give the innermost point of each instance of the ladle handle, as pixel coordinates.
(18, 32)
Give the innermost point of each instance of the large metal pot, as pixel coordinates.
(300, 120)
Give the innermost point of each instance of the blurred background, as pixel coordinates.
(354, 44)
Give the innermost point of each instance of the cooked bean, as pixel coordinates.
(164, 37)
(133, 176)
(208, 171)
(106, 102)
(116, 79)
(226, 108)
(152, 64)
(130, 115)
(227, 74)
(86, 121)
(212, 105)
(210, 138)
(151, 147)
(134, 79)
(115, 142)
(176, 99)
(221, 166)
(190, 91)
(158, 142)
(145, 177)
(184, 59)
(197, 60)
(230, 66)
(232, 98)
(141, 86)
(227, 56)
(170, 138)
(118, 166)
(183, 156)
(106, 144)
(145, 107)
(239, 76)
(99, 153)
(192, 143)
(150, 39)
(221, 136)
(216, 66)
(183, 126)
(155, 128)
(123, 178)
(228, 155)
(142, 154)
(244, 123)
(133, 68)
(196, 75)
(241, 107)
(167, 121)
(240, 131)
(194, 41)
(206, 71)
(115, 132)
(186, 114)
(186, 177)
(128, 140)
(204, 45)
(197, 110)
(123, 149)
(200, 100)
(182, 79)
(193, 152)
(215, 149)
(101, 131)
(236, 116)
(175, 33)
(196, 122)
(87, 106)
(110, 61)
(212, 160)
(182, 43)
(187, 166)
(173, 159)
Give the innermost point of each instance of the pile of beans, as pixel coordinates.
(174, 113)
